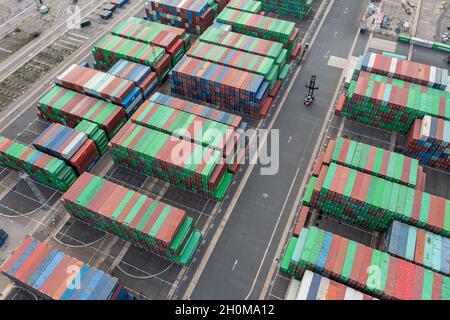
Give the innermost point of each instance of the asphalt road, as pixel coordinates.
(267, 200)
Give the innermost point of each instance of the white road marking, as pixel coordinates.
(393, 141)
(7, 290)
(234, 265)
(290, 138)
(341, 127)
(78, 35)
(383, 45)
(6, 50)
(337, 62)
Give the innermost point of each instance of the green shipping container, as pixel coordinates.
(145, 222)
(363, 268)
(42, 167)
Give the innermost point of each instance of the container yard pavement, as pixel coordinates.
(251, 236)
(231, 271)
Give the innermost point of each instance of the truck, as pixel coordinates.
(3, 237)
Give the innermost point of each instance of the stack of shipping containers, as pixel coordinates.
(373, 202)
(197, 79)
(392, 104)
(197, 168)
(69, 107)
(101, 85)
(45, 168)
(261, 26)
(423, 74)
(369, 270)
(295, 8)
(187, 126)
(95, 133)
(142, 76)
(233, 123)
(110, 49)
(429, 141)
(316, 287)
(419, 246)
(163, 27)
(235, 59)
(147, 223)
(52, 275)
(195, 16)
(249, 44)
(250, 6)
(69, 145)
(255, 51)
(377, 190)
(378, 162)
(155, 34)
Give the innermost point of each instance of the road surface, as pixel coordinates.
(260, 214)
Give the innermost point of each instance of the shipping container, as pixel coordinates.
(428, 140)
(53, 275)
(362, 268)
(182, 163)
(300, 222)
(102, 86)
(187, 126)
(235, 59)
(394, 55)
(374, 203)
(316, 287)
(142, 76)
(409, 71)
(229, 119)
(155, 34)
(69, 108)
(250, 6)
(392, 104)
(218, 85)
(404, 38)
(147, 223)
(73, 147)
(195, 16)
(378, 162)
(419, 246)
(294, 8)
(441, 47)
(110, 49)
(245, 43)
(179, 31)
(42, 167)
(260, 26)
(95, 133)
